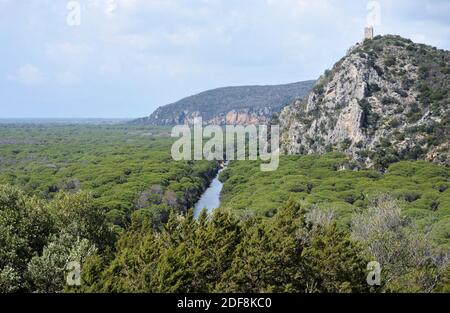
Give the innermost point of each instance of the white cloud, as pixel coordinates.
(110, 68)
(68, 50)
(304, 8)
(150, 45)
(133, 41)
(27, 74)
(67, 78)
(185, 37)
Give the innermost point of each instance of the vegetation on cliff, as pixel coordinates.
(230, 105)
(386, 100)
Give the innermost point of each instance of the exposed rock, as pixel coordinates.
(386, 100)
(230, 105)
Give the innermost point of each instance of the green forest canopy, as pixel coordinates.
(323, 182)
(111, 198)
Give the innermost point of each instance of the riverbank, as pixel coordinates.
(210, 199)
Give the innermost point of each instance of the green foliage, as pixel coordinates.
(219, 102)
(369, 118)
(117, 163)
(386, 100)
(389, 61)
(25, 225)
(423, 73)
(410, 261)
(321, 181)
(224, 253)
(46, 273)
(39, 238)
(79, 217)
(84, 187)
(10, 280)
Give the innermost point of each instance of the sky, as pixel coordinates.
(125, 58)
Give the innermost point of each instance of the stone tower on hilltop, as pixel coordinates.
(368, 32)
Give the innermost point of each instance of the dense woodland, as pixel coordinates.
(217, 103)
(330, 184)
(128, 170)
(111, 198)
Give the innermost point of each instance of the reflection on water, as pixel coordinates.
(210, 199)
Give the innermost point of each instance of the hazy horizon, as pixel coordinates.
(128, 57)
(65, 118)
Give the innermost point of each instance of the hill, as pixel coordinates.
(386, 100)
(229, 105)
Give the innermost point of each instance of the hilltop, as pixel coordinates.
(386, 100)
(230, 105)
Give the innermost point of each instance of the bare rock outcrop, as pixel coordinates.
(386, 100)
(230, 105)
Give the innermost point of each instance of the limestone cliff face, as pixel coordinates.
(230, 105)
(233, 117)
(386, 100)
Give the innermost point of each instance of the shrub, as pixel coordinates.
(389, 61)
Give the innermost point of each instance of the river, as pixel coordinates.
(210, 199)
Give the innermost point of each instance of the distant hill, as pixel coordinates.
(230, 105)
(386, 100)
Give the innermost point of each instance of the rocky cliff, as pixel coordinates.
(386, 100)
(230, 105)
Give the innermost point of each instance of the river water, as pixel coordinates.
(210, 200)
